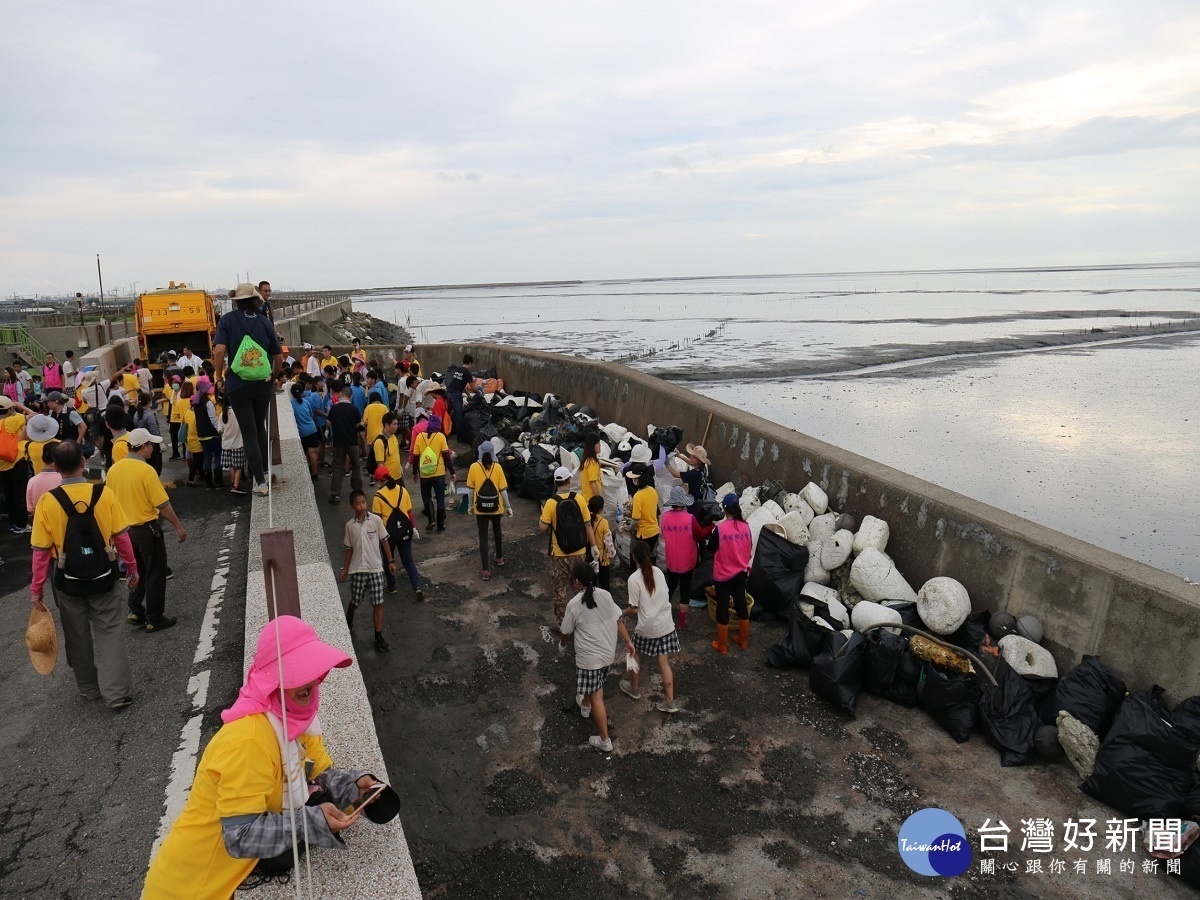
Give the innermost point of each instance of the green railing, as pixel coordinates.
(19, 336)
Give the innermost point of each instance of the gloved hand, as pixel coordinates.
(509, 512)
(416, 535)
(596, 555)
(596, 566)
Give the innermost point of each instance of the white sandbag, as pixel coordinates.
(568, 459)
(838, 611)
(818, 592)
(867, 613)
(872, 534)
(1027, 658)
(615, 493)
(808, 609)
(776, 528)
(876, 578)
(756, 520)
(822, 527)
(794, 528)
(836, 550)
(796, 503)
(813, 570)
(943, 605)
(750, 502)
(774, 509)
(615, 433)
(726, 488)
(815, 497)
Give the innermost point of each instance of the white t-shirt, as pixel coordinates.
(363, 538)
(68, 369)
(231, 432)
(313, 366)
(145, 380)
(654, 607)
(595, 630)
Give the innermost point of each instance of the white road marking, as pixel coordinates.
(183, 761)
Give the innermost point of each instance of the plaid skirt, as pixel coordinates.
(588, 681)
(367, 587)
(234, 458)
(659, 646)
(406, 421)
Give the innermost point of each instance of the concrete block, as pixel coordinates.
(943, 605)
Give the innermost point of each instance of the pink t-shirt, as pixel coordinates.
(680, 532)
(45, 480)
(734, 545)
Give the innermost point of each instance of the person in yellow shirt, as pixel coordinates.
(328, 360)
(90, 610)
(385, 446)
(39, 431)
(193, 444)
(431, 459)
(175, 410)
(115, 418)
(145, 503)
(130, 384)
(563, 559)
(590, 483)
(604, 541)
(373, 418)
(393, 504)
(14, 473)
(489, 502)
(645, 510)
(254, 779)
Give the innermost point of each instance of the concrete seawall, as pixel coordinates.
(1144, 622)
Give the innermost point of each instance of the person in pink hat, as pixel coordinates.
(254, 776)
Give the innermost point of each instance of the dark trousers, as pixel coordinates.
(149, 598)
(14, 481)
(403, 551)
(431, 488)
(343, 456)
(482, 522)
(456, 411)
(735, 588)
(174, 429)
(156, 459)
(211, 464)
(250, 404)
(604, 578)
(684, 581)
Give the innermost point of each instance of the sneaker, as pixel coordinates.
(335, 499)
(441, 530)
(135, 620)
(120, 703)
(585, 711)
(381, 645)
(28, 529)
(600, 744)
(239, 491)
(314, 478)
(500, 562)
(261, 489)
(391, 589)
(667, 706)
(89, 697)
(17, 529)
(487, 574)
(683, 618)
(628, 691)
(170, 575)
(420, 595)
(160, 624)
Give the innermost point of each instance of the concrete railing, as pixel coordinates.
(289, 323)
(377, 862)
(1144, 622)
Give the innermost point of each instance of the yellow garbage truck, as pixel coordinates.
(173, 318)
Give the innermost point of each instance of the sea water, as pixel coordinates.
(968, 379)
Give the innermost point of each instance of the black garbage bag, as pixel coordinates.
(1189, 865)
(702, 577)
(1042, 686)
(952, 699)
(836, 673)
(777, 573)
(1009, 717)
(1091, 692)
(477, 425)
(908, 613)
(667, 438)
(707, 512)
(770, 490)
(1146, 765)
(513, 465)
(792, 648)
(890, 670)
(816, 634)
(538, 482)
(510, 431)
(971, 633)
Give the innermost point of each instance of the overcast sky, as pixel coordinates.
(361, 144)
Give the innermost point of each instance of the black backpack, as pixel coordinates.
(487, 498)
(569, 528)
(398, 526)
(85, 568)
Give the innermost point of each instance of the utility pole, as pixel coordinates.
(100, 275)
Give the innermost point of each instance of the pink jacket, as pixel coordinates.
(680, 534)
(734, 545)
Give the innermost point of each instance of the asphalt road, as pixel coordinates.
(83, 787)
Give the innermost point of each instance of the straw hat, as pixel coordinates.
(41, 637)
(697, 452)
(435, 387)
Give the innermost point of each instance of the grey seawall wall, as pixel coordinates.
(1142, 621)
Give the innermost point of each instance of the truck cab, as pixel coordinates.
(172, 318)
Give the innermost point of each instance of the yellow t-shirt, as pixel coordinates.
(138, 489)
(50, 519)
(12, 423)
(32, 450)
(168, 398)
(130, 384)
(240, 774)
(120, 447)
(601, 527)
(477, 475)
(193, 436)
(439, 445)
(328, 361)
(386, 500)
(548, 511)
(388, 447)
(588, 474)
(373, 420)
(645, 512)
(179, 406)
